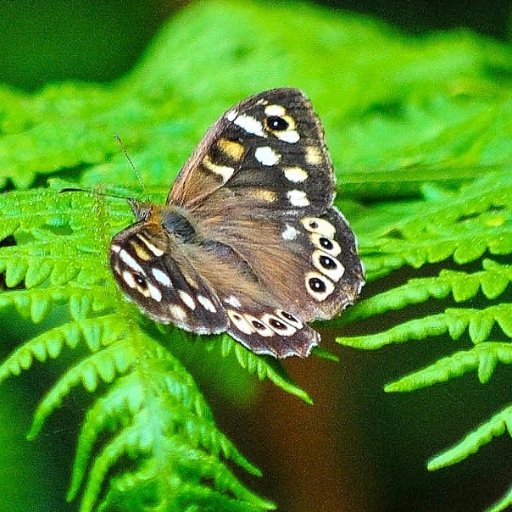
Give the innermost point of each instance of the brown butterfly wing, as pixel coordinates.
(272, 205)
(250, 217)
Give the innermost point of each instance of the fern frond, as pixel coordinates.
(497, 425)
(483, 357)
(434, 118)
(462, 226)
(448, 228)
(56, 257)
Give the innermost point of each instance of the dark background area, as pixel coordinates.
(357, 449)
(95, 40)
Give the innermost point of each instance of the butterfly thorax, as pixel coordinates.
(169, 219)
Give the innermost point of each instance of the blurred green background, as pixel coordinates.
(94, 40)
(357, 449)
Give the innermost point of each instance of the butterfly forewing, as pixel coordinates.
(249, 230)
(269, 148)
(154, 271)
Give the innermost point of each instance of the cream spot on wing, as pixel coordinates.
(234, 150)
(161, 277)
(233, 301)
(187, 299)
(222, 170)
(313, 155)
(267, 156)
(130, 261)
(240, 322)
(141, 250)
(328, 265)
(153, 248)
(250, 125)
(318, 286)
(154, 292)
(297, 198)
(263, 194)
(295, 174)
(275, 110)
(320, 226)
(206, 303)
(115, 248)
(177, 312)
(289, 233)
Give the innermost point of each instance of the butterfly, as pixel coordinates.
(248, 241)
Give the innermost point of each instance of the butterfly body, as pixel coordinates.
(248, 241)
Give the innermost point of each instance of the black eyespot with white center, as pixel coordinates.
(141, 281)
(326, 243)
(327, 262)
(317, 285)
(257, 324)
(277, 123)
(276, 324)
(327, 265)
(289, 318)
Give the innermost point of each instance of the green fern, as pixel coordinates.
(422, 158)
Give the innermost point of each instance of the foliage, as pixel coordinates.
(419, 131)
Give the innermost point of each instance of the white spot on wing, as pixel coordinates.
(290, 233)
(161, 277)
(187, 299)
(233, 301)
(154, 292)
(129, 279)
(130, 261)
(206, 303)
(295, 174)
(290, 136)
(250, 125)
(267, 156)
(115, 248)
(231, 115)
(297, 198)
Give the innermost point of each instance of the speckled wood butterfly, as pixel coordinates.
(249, 241)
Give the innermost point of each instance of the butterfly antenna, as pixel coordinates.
(130, 161)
